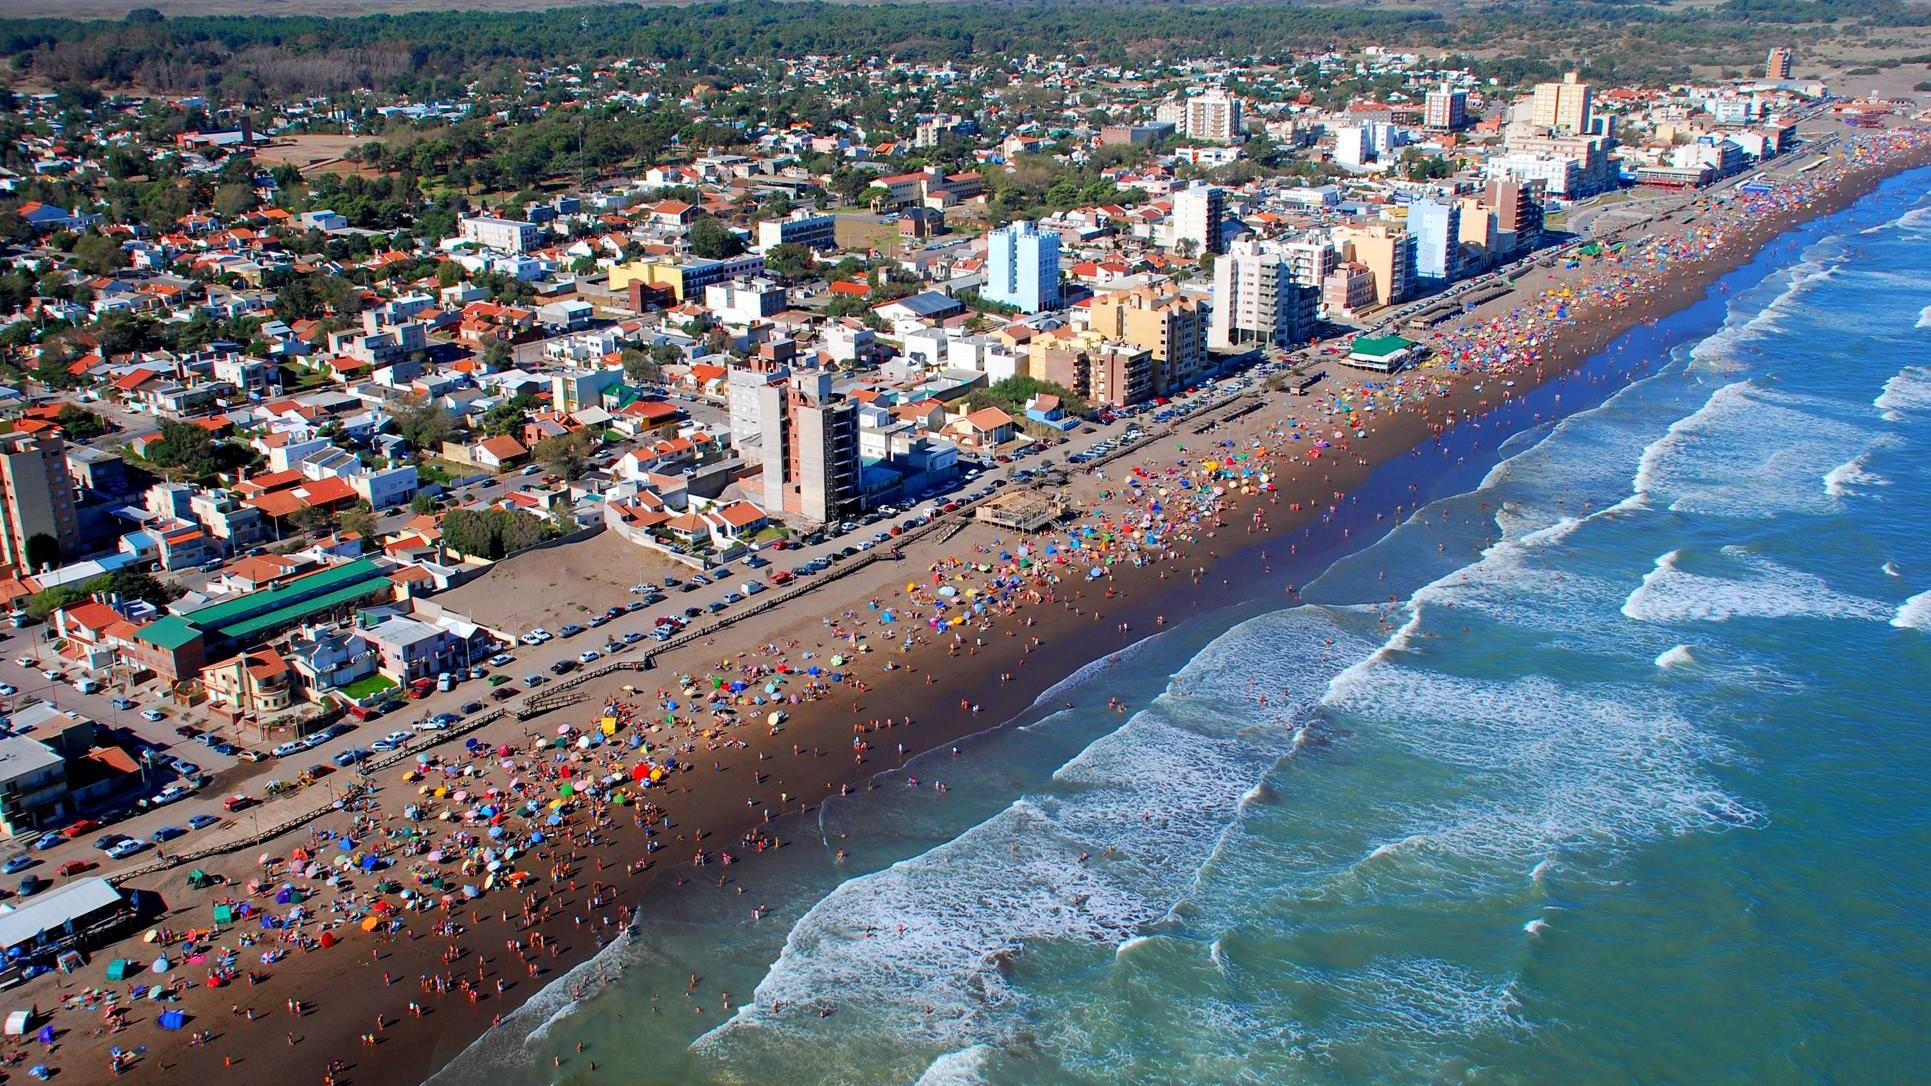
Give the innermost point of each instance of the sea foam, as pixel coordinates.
(1679, 656)
(1914, 613)
(1668, 594)
(1909, 389)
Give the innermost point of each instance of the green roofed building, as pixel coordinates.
(179, 646)
(1383, 353)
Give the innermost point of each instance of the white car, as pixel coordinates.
(587, 655)
(153, 715)
(170, 794)
(501, 659)
(8, 690)
(283, 750)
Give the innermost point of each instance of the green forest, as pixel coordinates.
(438, 52)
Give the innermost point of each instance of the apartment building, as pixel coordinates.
(1445, 109)
(1197, 213)
(1566, 106)
(801, 227)
(1257, 302)
(1022, 267)
(809, 448)
(1388, 252)
(1437, 230)
(508, 235)
(1171, 328)
(1213, 117)
(38, 524)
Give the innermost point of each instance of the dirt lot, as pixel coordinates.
(562, 584)
(313, 153)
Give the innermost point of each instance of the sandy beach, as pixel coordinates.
(958, 633)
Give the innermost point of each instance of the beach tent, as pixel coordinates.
(119, 968)
(172, 1018)
(224, 914)
(199, 880)
(18, 1022)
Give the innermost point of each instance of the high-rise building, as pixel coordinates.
(1197, 212)
(38, 526)
(1477, 235)
(1257, 303)
(1173, 328)
(1437, 229)
(1213, 117)
(1777, 64)
(1311, 258)
(1388, 252)
(1022, 267)
(1351, 147)
(1518, 214)
(1445, 108)
(1564, 106)
(809, 448)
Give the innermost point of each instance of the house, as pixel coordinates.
(493, 453)
(929, 306)
(985, 428)
(1045, 408)
(250, 683)
(33, 785)
(408, 649)
(322, 661)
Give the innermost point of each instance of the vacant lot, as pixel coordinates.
(313, 153)
(558, 585)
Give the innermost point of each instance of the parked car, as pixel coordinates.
(202, 821)
(501, 659)
(16, 865)
(589, 655)
(75, 867)
(123, 704)
(349, 757)
(240, 801)
(473, 707)
(126, 848)
(166, 834)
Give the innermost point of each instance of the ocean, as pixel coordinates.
(1604, 765)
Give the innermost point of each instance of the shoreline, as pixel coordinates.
(1139, 597)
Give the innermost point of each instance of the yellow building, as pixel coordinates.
(1564, 106)
(1388, 252)
(1171, 327)
(253, 682)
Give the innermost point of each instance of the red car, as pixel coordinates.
(237, 803)
(83, 826)
(75, 867)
